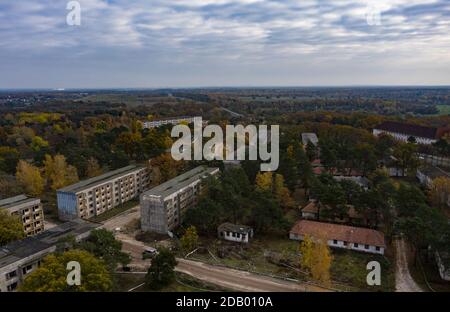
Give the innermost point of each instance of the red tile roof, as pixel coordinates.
(339, 232)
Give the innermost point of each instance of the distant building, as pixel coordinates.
(235, 233)
(20, 258)
(29, 210)
(390, 164)
(171, 121)
(427, 174)
(162, 207)
(404, 132)
(340, 236)
(310, 137)
(94, 196)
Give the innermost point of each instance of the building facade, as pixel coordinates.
(340, 236)
(235, 233)
(163, 207)
(406, 132)
(92, 197)
(427, 174)
(20, 258)
(171, 121)
(29, 210)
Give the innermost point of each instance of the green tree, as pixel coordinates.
(102, 244)
(9, 157)
(51, 276)
(161, 272)
(11, 228)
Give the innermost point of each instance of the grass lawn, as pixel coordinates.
(115, 211)
(443, 109)
(348, 269)
(183, 283)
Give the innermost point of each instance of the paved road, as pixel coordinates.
(403, 280)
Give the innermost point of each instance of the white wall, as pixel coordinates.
(340, 244)
(404, 137)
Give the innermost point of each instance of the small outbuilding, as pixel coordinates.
(235, 232)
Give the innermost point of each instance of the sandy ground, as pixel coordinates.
(403, 280)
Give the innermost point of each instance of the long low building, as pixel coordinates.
(29, 210)
(341, 236)
(94, 196)
(162, 207)
(20, 258)
(404, 132)
(171, 121)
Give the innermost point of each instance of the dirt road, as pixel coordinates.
(403, 280)
(240, 280)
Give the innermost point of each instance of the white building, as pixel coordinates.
(234, 232)
(163, 207)
(340, 236)
(171, 121)
(29, 210)
(94, 196)
(405, 132)
(20, 258)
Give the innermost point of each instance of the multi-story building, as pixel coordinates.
(171, 121)
(94, 196)
(29, 210)
(162, 207)
(18, 259)
(407, 132)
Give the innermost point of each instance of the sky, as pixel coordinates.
(212, 43)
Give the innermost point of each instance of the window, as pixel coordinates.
(356, 245)
(11, 275)
(377, 248)
(12, 287)
(335, 242)
(366, 246)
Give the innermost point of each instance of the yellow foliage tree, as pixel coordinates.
(321, 261)
(316, 258)
(264, 181)
(30, 178)
(58, 172)
(190, 239)
(11, 227)
(282, 192)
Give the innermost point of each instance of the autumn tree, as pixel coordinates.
(439, 193)
(189, 240)
(11, 228)
(58, 172)
(30, 178)
(316, 258)
(164, 168)
(51, 276)
(264, 181)
(9, 157)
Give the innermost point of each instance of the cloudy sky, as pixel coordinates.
(186, 43)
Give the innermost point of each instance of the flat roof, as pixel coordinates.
(82, 185)
(29, 246)
(167, 188)
(11, 202)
